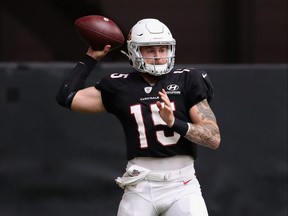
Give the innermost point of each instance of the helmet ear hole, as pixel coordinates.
(150, 32)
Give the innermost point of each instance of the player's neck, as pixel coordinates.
(152, 80)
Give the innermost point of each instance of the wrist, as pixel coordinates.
(181, 127)
(88, 61)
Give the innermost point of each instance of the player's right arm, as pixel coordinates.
(72, 93)
(88, 100)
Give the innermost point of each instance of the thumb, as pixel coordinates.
(107, 49)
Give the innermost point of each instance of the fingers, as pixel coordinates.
(159, 105)
(165, 98)
(166, 108)
(98, 54)
(166, 101)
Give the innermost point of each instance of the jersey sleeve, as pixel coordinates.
(198, 87)
(114, 91)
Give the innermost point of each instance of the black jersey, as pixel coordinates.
(133, 101)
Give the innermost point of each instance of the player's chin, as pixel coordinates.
(161, 62)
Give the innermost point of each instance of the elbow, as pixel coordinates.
(215, 139)
(65, 100)
(215, 143)
(61, 101)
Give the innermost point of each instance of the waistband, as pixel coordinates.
(170, 175)
(161, 175)
(135, 174)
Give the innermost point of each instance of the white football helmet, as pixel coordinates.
(150, 32)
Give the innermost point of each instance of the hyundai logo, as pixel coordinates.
(172, 87)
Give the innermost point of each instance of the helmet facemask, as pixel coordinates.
(150, 32)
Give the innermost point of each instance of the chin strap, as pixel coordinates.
(128, 56)
(125, 53)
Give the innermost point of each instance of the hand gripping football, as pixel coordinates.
(98, 31)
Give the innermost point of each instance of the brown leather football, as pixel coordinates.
(98, 31)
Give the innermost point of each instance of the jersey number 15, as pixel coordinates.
(136, 110)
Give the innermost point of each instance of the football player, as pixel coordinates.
(165, 115)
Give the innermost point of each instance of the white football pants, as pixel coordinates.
(165, 193)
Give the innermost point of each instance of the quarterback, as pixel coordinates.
(165, 115)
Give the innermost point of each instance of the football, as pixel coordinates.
(98, 31)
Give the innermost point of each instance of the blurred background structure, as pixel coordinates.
(54, 162)
(207, 31)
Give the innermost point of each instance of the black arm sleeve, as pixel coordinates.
(75, 81)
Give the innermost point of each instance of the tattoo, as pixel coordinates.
(205, 112)
(206, 132)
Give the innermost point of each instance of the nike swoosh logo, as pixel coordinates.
(204, 75)
(186, 182)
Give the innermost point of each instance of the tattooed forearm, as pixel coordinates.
(205, 131)
(206, 134)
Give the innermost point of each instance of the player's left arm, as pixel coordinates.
(204, 130)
